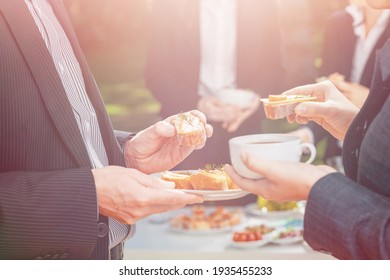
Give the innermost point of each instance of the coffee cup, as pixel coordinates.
(275, 147)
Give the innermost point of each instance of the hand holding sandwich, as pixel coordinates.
(335, 113)
(157, 148)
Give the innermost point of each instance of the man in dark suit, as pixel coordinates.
(198, 48)
(64, 191)
(352, 37)
(345, 215)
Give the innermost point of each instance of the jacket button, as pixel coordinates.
(102, 229)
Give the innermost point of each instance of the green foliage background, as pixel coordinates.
(113, 35)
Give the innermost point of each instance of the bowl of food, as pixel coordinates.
(239, 97)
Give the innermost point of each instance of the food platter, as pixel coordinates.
(202, 231)
(288, 235)
(266, 239)
(206, 221)
(253, 209)
(219, 195)
(253, 234)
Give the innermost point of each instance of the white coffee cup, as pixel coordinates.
(277, 147)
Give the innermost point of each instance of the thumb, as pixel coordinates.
(162, 129)
(270, 169)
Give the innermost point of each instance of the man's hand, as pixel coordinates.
(335, 113)
(217, 111)
(241, 117)
(157, 148)
(128, 195)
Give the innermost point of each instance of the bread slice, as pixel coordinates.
(190, 130)
(181, 179)
(284, 106)
(206, 180)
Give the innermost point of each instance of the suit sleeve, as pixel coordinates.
(347, 219)
(48, 213)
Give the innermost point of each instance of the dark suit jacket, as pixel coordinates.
(48, 205)
(338, 52)
(172, 71)
(349, 216)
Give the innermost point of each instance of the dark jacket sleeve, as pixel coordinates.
(347, 219)
(43, 212)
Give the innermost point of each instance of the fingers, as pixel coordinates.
(301, 90)
(253, 186)
(312, 109)
(200, 115)
(169, 199)
(209, 130)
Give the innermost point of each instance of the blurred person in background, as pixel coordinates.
(202, 49)
(345, 215)
(351, 39)
(70, 186)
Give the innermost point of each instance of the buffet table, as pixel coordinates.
(155, 239)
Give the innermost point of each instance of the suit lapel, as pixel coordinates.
(45, 74)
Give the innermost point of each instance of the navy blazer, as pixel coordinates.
(173, 65)
(48, 204)
(337, 56)
(349, 216)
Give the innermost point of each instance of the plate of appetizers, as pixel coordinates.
(205, 221)
(288, 235)
(266, 208)
(213, 184)
(253, 236)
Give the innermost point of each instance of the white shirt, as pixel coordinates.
(364, 44)
(218, 24)
(72, 79)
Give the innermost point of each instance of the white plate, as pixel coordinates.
(211, 195)
(219, 195)
(253, 209)
(267, 238)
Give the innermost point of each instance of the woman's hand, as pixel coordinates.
(283, 181)
(334, 112)
(157, 148)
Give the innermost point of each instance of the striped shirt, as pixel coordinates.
(72, 79)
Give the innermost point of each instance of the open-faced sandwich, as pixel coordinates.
(181, 179)
(190, 130)
(281, 106)
(209, 178)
